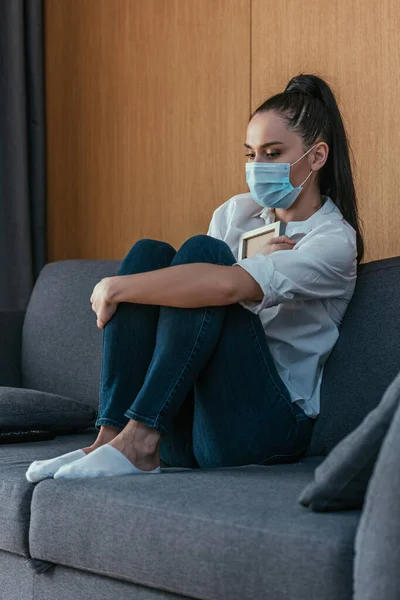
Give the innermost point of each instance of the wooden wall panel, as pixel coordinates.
(147, 109)
(354, 45)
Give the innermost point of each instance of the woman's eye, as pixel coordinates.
(271, 155)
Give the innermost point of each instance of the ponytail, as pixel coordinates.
(309, 108)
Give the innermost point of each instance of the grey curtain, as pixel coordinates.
(22, 151)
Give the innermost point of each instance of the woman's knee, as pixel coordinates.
(204, 248)
(146, 255)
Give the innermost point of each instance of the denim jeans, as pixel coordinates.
(203, 377)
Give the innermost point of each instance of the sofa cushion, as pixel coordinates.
(61, 343)
(234, 532)
(16, 492)
(377, 548)
(31, 409)
(365, 358)
(341, 480)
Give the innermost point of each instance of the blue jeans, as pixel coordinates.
(203, 377)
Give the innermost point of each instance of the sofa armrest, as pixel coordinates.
(377, 558)
(11, 322)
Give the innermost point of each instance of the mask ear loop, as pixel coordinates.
(309, 150)
(301, 185)
(305, 153)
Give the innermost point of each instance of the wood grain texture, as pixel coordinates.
(354, 46)
(147, 109)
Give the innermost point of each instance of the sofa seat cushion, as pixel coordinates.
(16, 491)
(234, 532)
(22, 408)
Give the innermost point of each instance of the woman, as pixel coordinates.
(205, 365)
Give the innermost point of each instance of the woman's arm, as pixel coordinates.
(186, 286)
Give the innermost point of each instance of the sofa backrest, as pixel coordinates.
(61, 343)
(366, 356)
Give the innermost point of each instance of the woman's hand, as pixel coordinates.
(283, 242)
(101, 301)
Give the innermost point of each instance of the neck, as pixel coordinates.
(305, 205)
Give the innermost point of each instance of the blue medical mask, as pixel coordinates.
(269, 183)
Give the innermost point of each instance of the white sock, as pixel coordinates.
(105, 461)
(42, 469)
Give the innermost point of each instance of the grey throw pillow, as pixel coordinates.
(22, 409)
(341, 480)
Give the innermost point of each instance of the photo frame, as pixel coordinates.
(250, 242)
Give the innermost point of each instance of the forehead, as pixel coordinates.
(267, 127)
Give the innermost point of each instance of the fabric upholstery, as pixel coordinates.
(72, 584)
(24, 409)
(377, 544)
(16, 491)
(62, 345)
(342, 478)
(19, 583)
(11, 322)
(16, 581)
(232, 533)
(235, 532)
(366, 357)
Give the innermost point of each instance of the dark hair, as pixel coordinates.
(309, 108)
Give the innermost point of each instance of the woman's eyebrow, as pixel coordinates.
(265, 145)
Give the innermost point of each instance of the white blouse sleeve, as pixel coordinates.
(217, 227)
(213, 230)
(323, 266)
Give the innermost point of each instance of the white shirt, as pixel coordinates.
(306, 289)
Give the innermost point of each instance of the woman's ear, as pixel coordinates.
(319, 156)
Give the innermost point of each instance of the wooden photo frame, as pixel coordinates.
(250, 242)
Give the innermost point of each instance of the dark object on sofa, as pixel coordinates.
(234, 533)
(25, 435)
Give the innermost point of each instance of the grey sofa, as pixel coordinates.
(234, 533)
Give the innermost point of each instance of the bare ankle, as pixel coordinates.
(106, 434)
